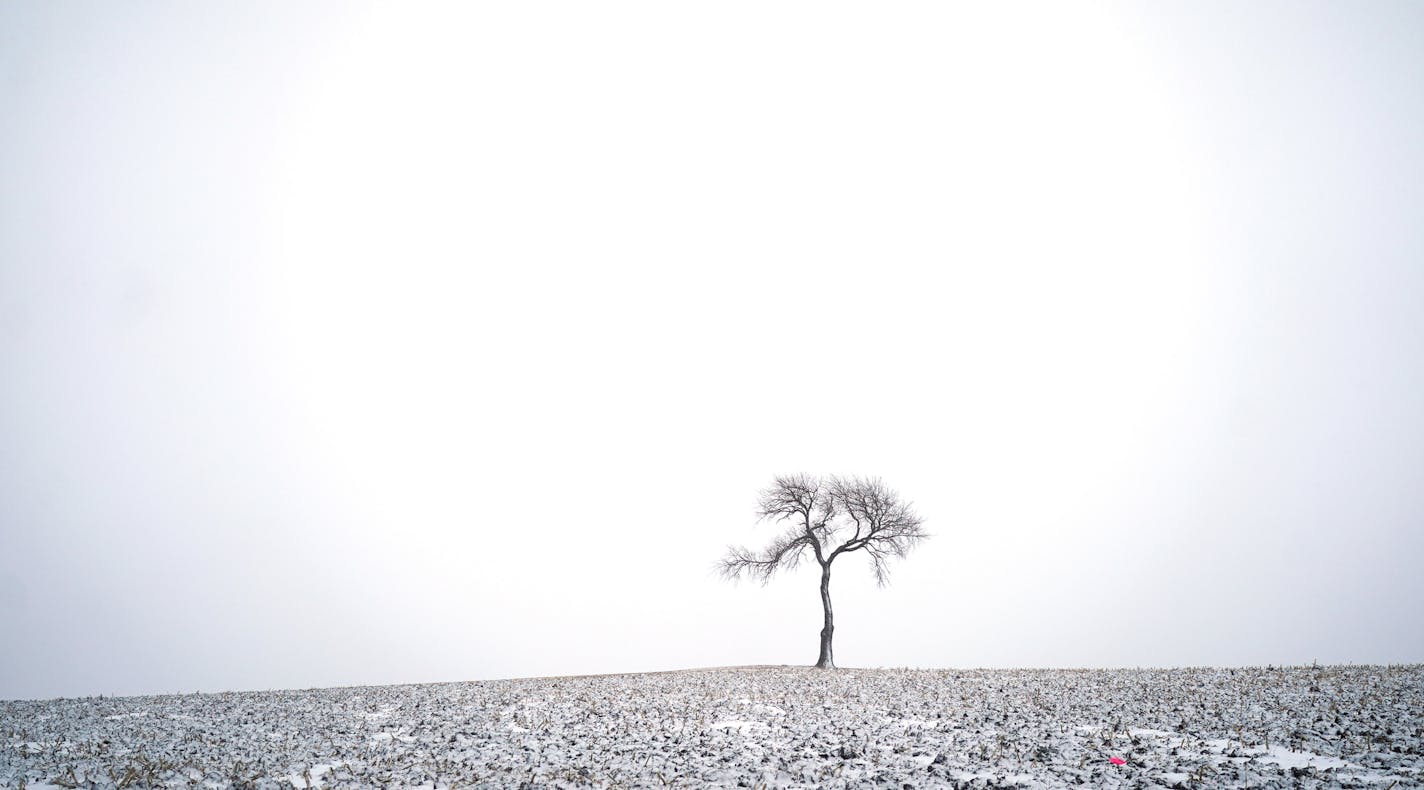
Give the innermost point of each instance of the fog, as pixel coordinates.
(402, 343)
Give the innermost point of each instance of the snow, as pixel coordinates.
(998, 780)
(783, 727)
(742, 727)
(315, 772)
(1286, 758)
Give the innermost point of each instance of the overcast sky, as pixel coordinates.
(403, 343)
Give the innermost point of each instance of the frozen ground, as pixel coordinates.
(1356, 726)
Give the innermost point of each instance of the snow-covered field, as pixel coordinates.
(1357, 726)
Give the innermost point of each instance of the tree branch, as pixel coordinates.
(815, 510)
(891, 527)
(784, 553)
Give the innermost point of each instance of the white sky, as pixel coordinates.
(411, 343)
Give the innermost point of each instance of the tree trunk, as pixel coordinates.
(826, 661)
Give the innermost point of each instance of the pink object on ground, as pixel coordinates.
(1117, 761)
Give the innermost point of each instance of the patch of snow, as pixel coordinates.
(999, 779)
(299, 779)
(1288, 759)
(742, 727)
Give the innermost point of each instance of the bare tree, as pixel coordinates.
(818, 513)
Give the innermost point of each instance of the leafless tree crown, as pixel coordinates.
(830, 516)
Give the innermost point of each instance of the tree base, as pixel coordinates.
(826, 659)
